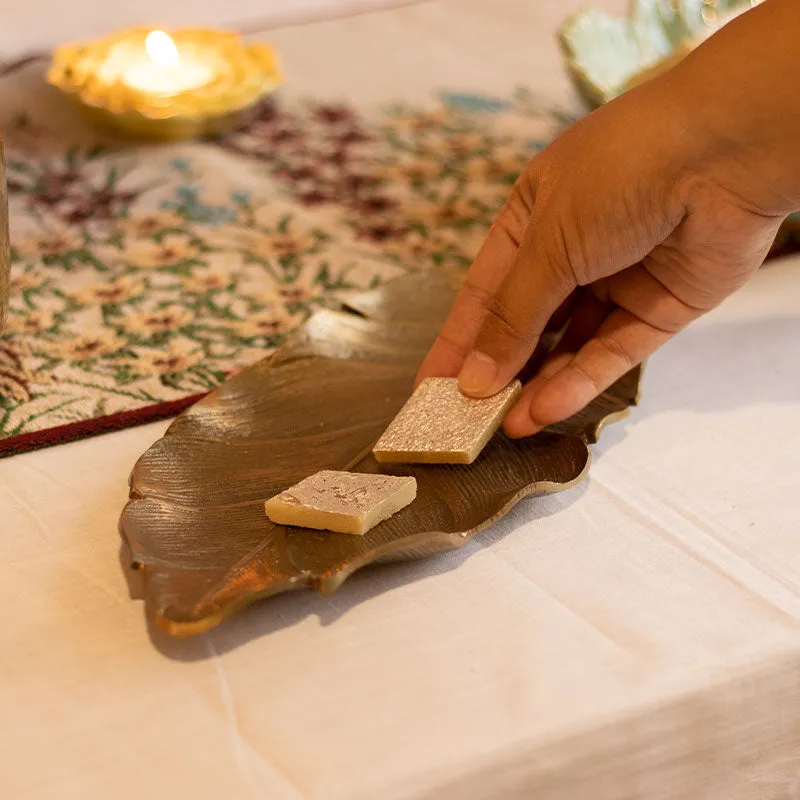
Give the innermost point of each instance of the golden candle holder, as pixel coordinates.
(148, 83)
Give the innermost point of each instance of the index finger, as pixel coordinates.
(483, 281)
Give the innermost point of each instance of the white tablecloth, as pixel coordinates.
(636, 637)
(47, 23)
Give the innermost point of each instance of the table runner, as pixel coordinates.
(144, 276)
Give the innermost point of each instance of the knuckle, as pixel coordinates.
(482, 296)
(570, 257)
(512, 224)
(500, 325)
(604, 359)
(562, 249)
(601, 362)
(514, 218)
(617, 351)
(587, 377)
(460, 349)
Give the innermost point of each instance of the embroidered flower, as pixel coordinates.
(158, 320)
(178, 356)
(52, 243)
(354, 183)
(349, 137)
(382, 231)
(445, 213)
(457, 144)
(302, 291)
(30, 321)
(23, 280)
(85, 346)
(416, 246)
(207, 279)
(262, 243)
(416, 121)
(333, 114)
(282, 244)
(172, 249)
(500, 164)
(123, 288)
(150, 224)
(265, 323)
(375, 204)
(417, 168)
(259, 295)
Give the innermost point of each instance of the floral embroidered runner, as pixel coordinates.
(143, 277)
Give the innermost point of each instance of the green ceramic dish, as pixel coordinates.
(606, 53)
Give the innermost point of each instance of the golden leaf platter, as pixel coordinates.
(195, 524)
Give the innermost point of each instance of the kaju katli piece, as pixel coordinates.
(441, 425)
(343, 502)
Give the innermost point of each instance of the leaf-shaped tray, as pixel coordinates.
(195, 524)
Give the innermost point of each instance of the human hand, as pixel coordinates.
(632, 224)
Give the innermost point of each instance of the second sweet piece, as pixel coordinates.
(343, 502)
(441, 425)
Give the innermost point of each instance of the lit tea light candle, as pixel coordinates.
(158, 68)
(163, 85)
(162, 70)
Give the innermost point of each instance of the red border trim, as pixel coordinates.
(62, 434)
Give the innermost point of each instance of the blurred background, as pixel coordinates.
(45, 24)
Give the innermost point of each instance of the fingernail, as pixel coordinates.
(478, 373)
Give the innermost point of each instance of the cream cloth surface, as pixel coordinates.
(45, 24)
(636, 637)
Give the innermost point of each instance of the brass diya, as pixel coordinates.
(148, 83)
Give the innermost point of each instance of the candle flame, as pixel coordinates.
(161, 49)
